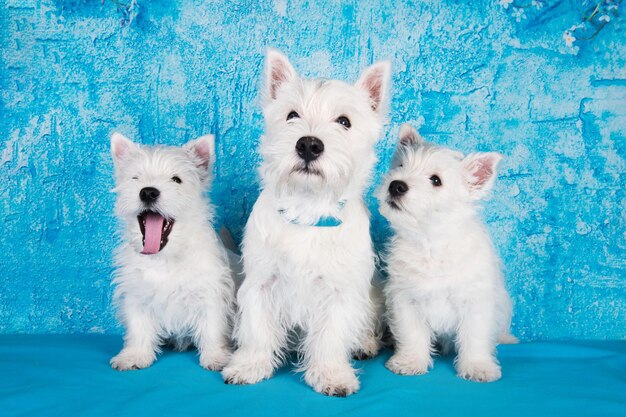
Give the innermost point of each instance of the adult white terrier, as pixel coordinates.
(308, 257)
(445, 282)
(173, 282)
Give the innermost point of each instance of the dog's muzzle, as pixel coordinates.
(309, 148)
(307, 169)
(397, 189)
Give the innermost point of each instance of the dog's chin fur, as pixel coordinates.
(315, 279)
(184, 293)
(445, 281)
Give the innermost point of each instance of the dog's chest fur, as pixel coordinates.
(308, 264)
(176, 289)
(444, 278)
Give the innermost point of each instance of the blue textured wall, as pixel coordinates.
(468, 74)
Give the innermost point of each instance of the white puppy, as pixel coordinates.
(308, 257)
(445, 281)
(173, 280)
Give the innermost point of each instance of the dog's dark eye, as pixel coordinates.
(135, 178)
(435, 181)
(344, 121)
(292, 115)
(177, 179)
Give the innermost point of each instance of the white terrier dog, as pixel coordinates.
(173, 280)
(445, 281)
(308, 257)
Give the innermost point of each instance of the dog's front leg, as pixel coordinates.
(259, 333)
(476, 345)
(370, 342)
(328, 344)
(412, 336)
(212, 337)
(140, 341)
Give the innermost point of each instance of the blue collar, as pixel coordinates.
(324, 221)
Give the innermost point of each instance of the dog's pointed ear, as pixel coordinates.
(278, 70)
(375, 80)
(202, 150)
(409, 136)
(480, 172)
(121, 146)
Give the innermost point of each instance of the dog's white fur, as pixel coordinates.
(445, 281)
(315, 281)
(184, 293)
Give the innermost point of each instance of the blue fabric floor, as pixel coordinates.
(70, 376)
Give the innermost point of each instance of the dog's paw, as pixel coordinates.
(409, 365)
(479, 371)
(368, 349)
(247, 370)
(128, 360)
(216, 360)
(339, 382)
(363, 355)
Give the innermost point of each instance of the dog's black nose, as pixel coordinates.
(398, 188)
(149, 194)
(309, 148)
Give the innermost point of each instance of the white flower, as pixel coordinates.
(518, 14)
(604, 18)
(568, 38)
(538, 4)
(505, 3)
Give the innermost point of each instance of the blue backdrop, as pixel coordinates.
(468, 74)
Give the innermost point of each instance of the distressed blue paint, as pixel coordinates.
(466, 73)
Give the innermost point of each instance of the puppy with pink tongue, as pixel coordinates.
(173, 280)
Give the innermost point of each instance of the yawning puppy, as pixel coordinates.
(445, 282)
(173, 282)
(308, 257)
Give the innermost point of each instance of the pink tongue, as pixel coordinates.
(153, 228)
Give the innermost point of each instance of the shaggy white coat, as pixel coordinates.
(307, 284)
(445, 281)
(183, 294)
